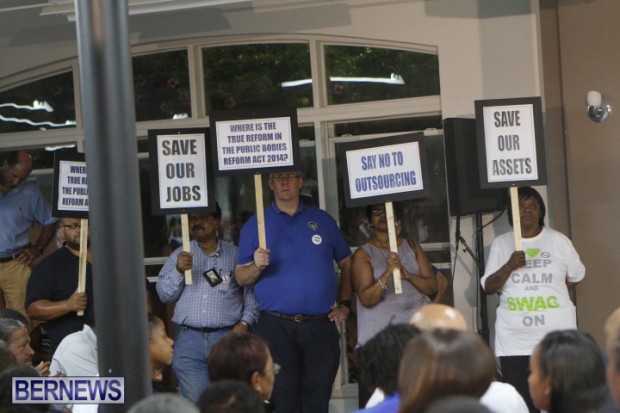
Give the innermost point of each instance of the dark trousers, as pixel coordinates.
(363, 392)
(515, 370)
(309, 355)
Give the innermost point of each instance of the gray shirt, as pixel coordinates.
(393, 308)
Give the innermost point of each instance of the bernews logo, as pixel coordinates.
(68, 390)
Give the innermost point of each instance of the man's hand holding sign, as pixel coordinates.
(255, 141)
(182, 182)
(71, 200)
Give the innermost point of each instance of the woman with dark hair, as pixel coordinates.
(567, 373)
(533, 288)
(372, 273)
(244, 357)
(441, 363)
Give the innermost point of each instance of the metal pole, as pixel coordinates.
(484, 315)
(114, 195)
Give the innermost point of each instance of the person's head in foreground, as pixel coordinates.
(458, 404)
(244, 357)
(163, 403)
(6, 388)
(17, 337)
(230, 396)
(612, 349)
(567, 373)
(443, 362)
(379, 358)
(433, 316)
(160, 346)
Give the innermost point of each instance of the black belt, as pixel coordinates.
(8, 258)
(207, 329)
(296, 318)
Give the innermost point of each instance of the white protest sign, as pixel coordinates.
(254, 143)
(510, 141)
(384, 170)
(181, 161)
(72, 186)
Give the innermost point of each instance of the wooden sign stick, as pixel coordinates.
(186, 245)
(516, 218)
(389, 215)
(260, 213)
(83, 262)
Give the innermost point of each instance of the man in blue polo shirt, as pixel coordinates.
(296, 286)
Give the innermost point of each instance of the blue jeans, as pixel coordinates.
(309, 354)
(191, 349)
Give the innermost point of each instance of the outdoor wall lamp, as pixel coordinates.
(597, 110)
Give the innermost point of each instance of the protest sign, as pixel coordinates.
(511, 149)
(180, 178)
(255, 141)
(70, 193)
(384, 170)
(259, 141)
(181, 181)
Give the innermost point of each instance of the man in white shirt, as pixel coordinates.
(77, 354)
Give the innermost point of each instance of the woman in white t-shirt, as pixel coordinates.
(533, 288)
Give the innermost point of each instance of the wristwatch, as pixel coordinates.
(346, 303)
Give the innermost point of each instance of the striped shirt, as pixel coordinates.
(200, 305)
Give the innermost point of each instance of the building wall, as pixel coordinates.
(588, 35)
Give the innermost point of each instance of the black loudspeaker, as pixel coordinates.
(465, 195)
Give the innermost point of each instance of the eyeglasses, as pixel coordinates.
(276, 369)
(285, 177)
(377, 212)
(73, 226)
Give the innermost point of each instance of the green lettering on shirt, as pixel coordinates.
(532, 303)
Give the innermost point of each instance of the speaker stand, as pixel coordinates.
(478, 257)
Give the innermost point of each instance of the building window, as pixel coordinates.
(161, 86)
(257, 75)
(43, 104)
(399, 125)
(364, 74)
